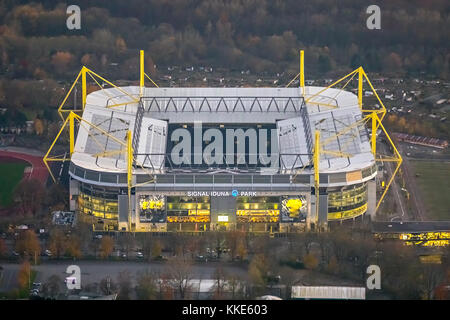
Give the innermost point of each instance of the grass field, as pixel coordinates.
(434, 184)
(10, 175)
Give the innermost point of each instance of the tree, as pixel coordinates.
(258, 270)
(124, 283)
(106, 246)
(57, 197)
(393, 62)
(333, 266)
(146, 243)
(179, 274)
(57, 242)
(236, 244)
(28, 243)
(52, 287)
(121, 46)
(23, 277)
(62, 60)
(39, 126)
(146, 288)
(431, 276)
(156, 248)
(3, 248)
(84, 231)
(107, 286)
(310, 261)
(236, 287)
(73, 247)
(29, 195)
(220, 281)
(127, 242)
(324, 63)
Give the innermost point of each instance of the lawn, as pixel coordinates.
(434, 184)
(10, 175)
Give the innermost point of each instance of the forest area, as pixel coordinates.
(39, 55)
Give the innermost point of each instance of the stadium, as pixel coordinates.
(282, 159)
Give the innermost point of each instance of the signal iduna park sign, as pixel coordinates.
(233, 193)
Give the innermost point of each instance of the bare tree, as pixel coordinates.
(107, 286)
(124, 283)
(432, 276)
(180, 273)
(52, 287)
(220, 277)
(147, 286)
(127, 242)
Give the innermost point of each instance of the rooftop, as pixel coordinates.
(330, 111)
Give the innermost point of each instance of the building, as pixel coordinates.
(424, 141)
(198, 159)
(328, 293)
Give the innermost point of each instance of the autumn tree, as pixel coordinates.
(310, 261)
(23, 277)
(258, 270)
(156, 248)
(121, 46)
(39, 126)
(62, 61)
(57, 242)
(73, 247)
(106, 246)
(28, 243)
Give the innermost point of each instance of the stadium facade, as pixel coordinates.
(222, 159)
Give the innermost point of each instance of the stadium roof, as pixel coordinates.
(330, 112)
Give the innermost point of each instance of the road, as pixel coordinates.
(411, 185)
(95, 271)
(390, 167)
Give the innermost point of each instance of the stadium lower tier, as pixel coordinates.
(203, 210)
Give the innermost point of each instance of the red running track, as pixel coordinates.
(38, 171)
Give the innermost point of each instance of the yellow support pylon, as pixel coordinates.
(83, 86)
(141, 74)
(129, 175)
(302, 71)
(374, 134)
(71, 133)
(360, 87)
(316, 157)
